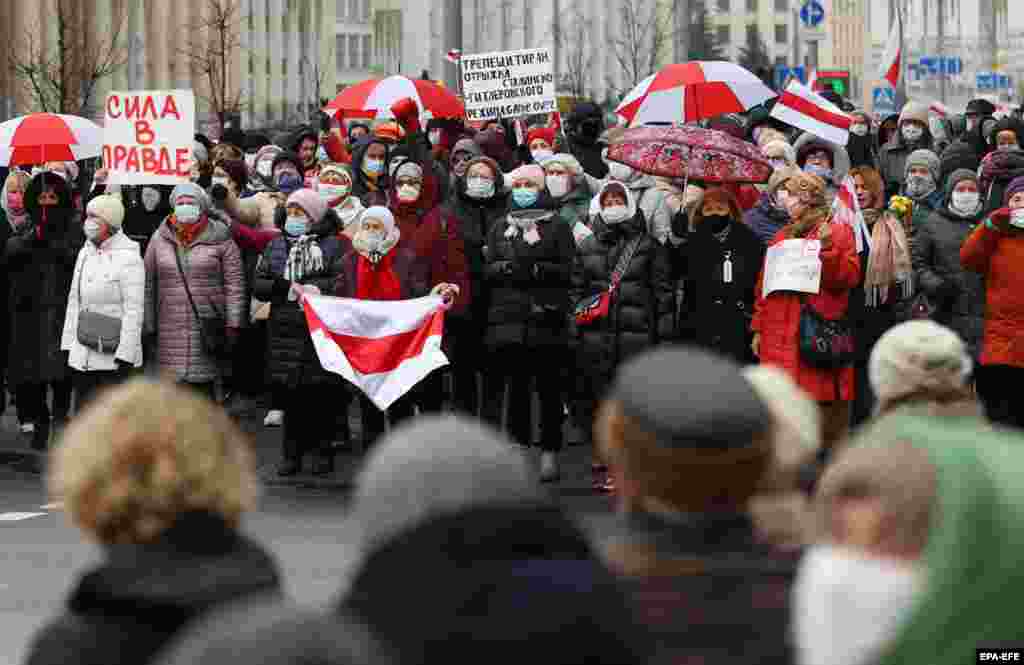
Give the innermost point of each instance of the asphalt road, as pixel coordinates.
(302, 521)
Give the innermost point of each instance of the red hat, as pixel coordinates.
(545, 133)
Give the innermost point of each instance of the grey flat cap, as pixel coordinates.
(691, 399)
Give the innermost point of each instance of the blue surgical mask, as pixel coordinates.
(296, 226)
(186, 213)
(820, 171)
(289, 182)
(373, 166)
(524, 197)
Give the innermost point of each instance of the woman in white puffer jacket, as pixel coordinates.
(110, 279)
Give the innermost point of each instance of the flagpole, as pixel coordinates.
(901, 88)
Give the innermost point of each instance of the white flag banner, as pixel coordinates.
(803, 108)
(382, 347)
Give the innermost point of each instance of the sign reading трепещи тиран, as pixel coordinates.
(507, 84)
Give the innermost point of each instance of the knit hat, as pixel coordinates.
(815, 145)
(310, 202)
(193, 190)
(199, 152)
(408, 169)
(1016, 185)
(531, 172)
(918, 356)
(780, 176)
(767, 134)
(691, 399)
(955, 178)
(780, 150)
(467, 145)
(108, 208)
(566, 160)
(381, 214)
(915, 111)
(981, 107)
(389, 132)
(927, 159)
(434, 467)
(336, 169)
(545, 133)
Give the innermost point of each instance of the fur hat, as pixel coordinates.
(310, 202)
(810, 189)
(108, 208)
(915, 111)
(927, 159)
(531, 172)
(915, 357)
(780, 176)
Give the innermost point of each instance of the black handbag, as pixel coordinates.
(99, 332)
(212, 327)
(825, 343)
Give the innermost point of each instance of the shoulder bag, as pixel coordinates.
(594, 308)
(825, 343)
(212, 327)
(99, 332)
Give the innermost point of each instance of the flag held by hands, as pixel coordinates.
(384, 348)
(801, 107)
(846, 210)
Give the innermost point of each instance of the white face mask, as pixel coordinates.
(409, 193)
(1017, 218)
(912, 133)
(966, 202)
(219, 181)
(541, 155)
(558, 185)
(620, 172)
(332, 192)
(150, 198)
(614, 214)
(480, 188)
(859, 129)
(265, 168)
(848, 607)
(92, 228)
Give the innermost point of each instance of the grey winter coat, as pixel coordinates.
(213, 266)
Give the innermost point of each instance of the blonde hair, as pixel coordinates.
(18, 176)
(145, 453)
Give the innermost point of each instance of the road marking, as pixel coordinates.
(16, 517)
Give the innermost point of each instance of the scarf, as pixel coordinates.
(377, 281)
(807, 223)
(521, 223)
(187, 233)
(304, 259)
(889, 262)
(871, 216)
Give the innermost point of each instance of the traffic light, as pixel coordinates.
(837, 80)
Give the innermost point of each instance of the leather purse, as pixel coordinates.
(825, 343)
(99, 332)
(594, 308)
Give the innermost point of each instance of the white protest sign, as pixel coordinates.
(793, 265)
(147, 136)
(508, 84)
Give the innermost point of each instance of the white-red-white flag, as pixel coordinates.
(453, 56)
(384, 348)
(892, 59)
(846, 210)
(801, 107)
(812, 79)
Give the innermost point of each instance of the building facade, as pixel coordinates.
(734, 21)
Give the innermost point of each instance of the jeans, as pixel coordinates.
(88, 384)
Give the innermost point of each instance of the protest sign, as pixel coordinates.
(793, 265)
(508, 84)
(147, 136)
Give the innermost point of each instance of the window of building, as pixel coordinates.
(752, 33)
(340, 51)
(353, 10)
(752, 6)
(342, 9)
(780, 33)
(722, 34)
(782, 5)
(366, 10)
(366, 51)
(353, 51)
(723, 6)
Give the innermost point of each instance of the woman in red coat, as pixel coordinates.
(996, 250)
(776, 321)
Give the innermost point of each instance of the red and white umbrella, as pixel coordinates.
(49, 137)
(693, 91)
(375, 96)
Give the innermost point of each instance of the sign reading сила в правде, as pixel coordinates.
(508, 84)
(148, 136)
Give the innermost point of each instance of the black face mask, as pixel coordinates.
(717, 223)
(590, 128)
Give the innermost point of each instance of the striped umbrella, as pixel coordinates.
(693, 91)
(49, 137)
(374, 97)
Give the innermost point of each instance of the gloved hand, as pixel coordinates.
(407, 114)
(999, 220)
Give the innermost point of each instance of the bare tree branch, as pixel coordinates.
(211, 48)
(573, 39)
(62, 78)
(646, 29)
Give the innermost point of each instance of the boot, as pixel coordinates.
(323, 463)
(549, 470)
(41, 436)
(289, 467)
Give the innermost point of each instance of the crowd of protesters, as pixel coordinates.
(772, 509)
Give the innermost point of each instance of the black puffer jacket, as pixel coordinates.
(957, 294)
(529, 284)
(291, 358)
(641, 312)
(716, 314)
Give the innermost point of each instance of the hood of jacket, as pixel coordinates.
(359, 179)
(975, 541)
(840, 158)
(64, 208)
(595, 203)
(500, 190)
(198, 562)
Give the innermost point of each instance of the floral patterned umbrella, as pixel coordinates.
(690, 152)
